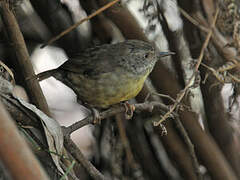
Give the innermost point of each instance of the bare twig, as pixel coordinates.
(80, 22)
(125, 141)
(189, 84)
(147, 106)
(8, 70)
(192, 20)
(219, 41)
(190, 147)
(205, 44)
(77, 154)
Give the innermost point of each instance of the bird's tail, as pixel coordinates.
(44, 75)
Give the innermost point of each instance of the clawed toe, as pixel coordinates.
(130, 108)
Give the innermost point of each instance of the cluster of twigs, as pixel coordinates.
(225, 162)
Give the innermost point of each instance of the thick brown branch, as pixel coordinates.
(17, 40)
(14, 151)
(118, 14)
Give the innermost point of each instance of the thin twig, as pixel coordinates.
(80, 22)
(165, 96)
(8, 70)
(191, 80)
(125, 141)
(77, 154)
(205, 44)
(190, 147)
(147, 106)
(192, 20)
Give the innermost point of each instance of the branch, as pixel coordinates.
(25, 65)
(191, 80)
(77, 154)
(190, 147)
(15, 153)
(147, 106)
(80, 22)
(126, 144)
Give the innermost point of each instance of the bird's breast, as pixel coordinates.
(108, 88)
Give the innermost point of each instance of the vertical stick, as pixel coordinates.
(18, 43)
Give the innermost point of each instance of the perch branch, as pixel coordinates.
(147, 106)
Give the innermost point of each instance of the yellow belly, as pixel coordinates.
(109, 88)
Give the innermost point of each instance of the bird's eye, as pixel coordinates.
(146, 55)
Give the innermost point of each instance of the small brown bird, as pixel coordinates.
(108, 74)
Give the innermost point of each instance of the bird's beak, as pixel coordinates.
(163, 54)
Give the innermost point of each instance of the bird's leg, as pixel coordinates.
(130, 108)
(95, 114)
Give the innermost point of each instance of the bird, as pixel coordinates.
(108, 74)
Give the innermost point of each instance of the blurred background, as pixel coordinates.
(136, 149)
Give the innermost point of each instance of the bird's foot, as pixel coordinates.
(129, 109)
(96, 116)
(95, 113)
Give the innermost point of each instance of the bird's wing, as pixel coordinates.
(94, 61)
